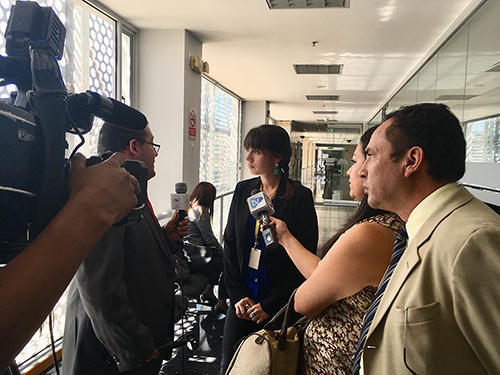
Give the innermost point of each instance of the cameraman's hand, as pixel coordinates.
(176, 228)
(106, 190)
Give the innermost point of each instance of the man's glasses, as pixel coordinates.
(156, 146)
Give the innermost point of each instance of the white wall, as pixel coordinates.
(167, 88)
(254, 113)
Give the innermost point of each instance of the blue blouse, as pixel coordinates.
(256, 279)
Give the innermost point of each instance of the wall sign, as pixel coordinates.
(192, 124)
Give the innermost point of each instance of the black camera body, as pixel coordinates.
(33, 168)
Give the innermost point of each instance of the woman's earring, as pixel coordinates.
(276, 168)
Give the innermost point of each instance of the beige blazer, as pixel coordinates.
(443, 301)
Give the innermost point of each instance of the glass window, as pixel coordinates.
(483, 140)
(219, 136)
(126, 68)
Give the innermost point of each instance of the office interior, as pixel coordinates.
(205, 72)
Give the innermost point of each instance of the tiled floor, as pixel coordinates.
(207, 327)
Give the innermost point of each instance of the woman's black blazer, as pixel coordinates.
(300, 216)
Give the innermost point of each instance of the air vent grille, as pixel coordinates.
(455, 97)
(325, 112)
(307, 4)
(322, 97)
(494, 68)
(318, 68)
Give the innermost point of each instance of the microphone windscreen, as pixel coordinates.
(180, 187)
(254, 191)
(126, 116)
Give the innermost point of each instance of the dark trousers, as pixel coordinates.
(234, 330)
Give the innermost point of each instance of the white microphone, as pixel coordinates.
(180, 200)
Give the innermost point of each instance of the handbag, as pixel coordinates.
(270, 352)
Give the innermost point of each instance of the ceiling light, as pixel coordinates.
(325, 112)
(307, 4)
(455, 97)
(322, 97)
(318, 68)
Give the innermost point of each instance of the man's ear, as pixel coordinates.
(132, 147)
(414, 160)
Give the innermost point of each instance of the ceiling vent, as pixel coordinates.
(325, 112)
(455, 97)
(318, 68)
(307, 4)
(494, 68)
(322, 97)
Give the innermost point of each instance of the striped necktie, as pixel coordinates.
(399, 248)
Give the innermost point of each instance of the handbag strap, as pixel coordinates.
(287, 310)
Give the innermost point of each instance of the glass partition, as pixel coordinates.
(464, 74)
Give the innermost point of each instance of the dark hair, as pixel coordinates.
(115, 138)
(204, 193)
(363, 212)
(437, 131)
(275, 140)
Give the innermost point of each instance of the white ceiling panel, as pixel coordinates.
(251, 49)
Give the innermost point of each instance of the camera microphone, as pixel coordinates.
(180, 200)
(261, 207)
(87, 104)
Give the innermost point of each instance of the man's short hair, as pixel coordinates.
(115, 139)
(435, 129)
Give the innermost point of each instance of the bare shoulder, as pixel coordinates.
(366, 239)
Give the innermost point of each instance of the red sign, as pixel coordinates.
(192, 123)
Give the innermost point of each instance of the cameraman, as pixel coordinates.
(31, 283)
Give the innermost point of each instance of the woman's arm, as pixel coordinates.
(358, 259)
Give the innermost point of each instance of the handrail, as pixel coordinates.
(221, 211)
(481, 187)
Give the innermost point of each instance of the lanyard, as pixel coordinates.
(257, 225)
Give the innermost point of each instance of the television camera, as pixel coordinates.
(34, 123)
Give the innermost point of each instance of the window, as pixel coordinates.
(483, 140)
(89, 63)
(219, 136)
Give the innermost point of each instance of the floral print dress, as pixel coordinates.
(331, 338)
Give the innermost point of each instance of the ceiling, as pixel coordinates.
(251, 49)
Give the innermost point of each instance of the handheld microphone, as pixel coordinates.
(180, 200)
(84, 105)
(261, 207)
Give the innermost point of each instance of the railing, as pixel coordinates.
(221, 212)
(480, 187)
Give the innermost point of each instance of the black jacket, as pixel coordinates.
(300, 216)
(121, 301)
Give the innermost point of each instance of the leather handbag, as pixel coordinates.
(269, 352)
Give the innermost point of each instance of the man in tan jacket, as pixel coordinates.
(440, 312)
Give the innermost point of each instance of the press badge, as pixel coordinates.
(254, 258)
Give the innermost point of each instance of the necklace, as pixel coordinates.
(273, 193)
